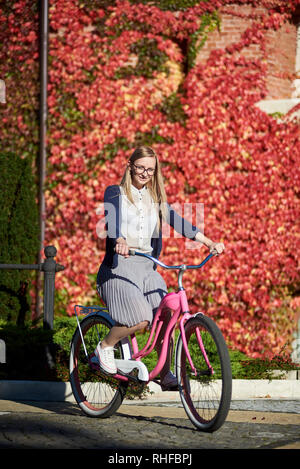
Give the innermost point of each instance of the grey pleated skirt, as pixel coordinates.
(131, 290)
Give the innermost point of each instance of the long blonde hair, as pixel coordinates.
(156, 183)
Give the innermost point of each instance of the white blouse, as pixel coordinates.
(138, 221)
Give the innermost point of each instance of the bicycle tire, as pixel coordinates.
(97, 394)
(205, 397)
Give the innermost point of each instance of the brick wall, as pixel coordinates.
(280, 47)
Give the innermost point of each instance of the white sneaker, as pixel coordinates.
(169, 382)
(106, 359)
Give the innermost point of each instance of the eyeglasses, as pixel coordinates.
(142, 169)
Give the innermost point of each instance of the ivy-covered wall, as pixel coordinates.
(123, 73)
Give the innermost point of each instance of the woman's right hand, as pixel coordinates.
(217, 248)
(122, 247)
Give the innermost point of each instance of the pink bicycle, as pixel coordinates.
(202, 364)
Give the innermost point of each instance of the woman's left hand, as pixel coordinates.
(217, 248)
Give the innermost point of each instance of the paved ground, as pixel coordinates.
(49, 425)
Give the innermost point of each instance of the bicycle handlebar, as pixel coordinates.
(132, 252)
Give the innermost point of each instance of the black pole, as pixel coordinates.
(49, 267)
(44, 32)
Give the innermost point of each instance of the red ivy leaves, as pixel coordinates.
(238, 151)
(240, 163)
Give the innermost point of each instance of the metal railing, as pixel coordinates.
(49, 267)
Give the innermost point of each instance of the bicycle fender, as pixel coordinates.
(104, 314)
(88, 311)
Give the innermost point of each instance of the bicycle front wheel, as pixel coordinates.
(97, 394)
(206, 393)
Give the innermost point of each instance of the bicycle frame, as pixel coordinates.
(176, 302)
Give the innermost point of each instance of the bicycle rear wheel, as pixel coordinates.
(97, 394)
(206, 394)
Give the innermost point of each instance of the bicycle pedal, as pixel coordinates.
(173, 388)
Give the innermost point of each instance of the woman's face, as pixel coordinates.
(142, 170)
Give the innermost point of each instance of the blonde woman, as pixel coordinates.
(130, 285)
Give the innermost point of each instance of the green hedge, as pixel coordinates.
(35, 353)
(19, 234)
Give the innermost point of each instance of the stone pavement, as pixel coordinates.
(156, 427)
